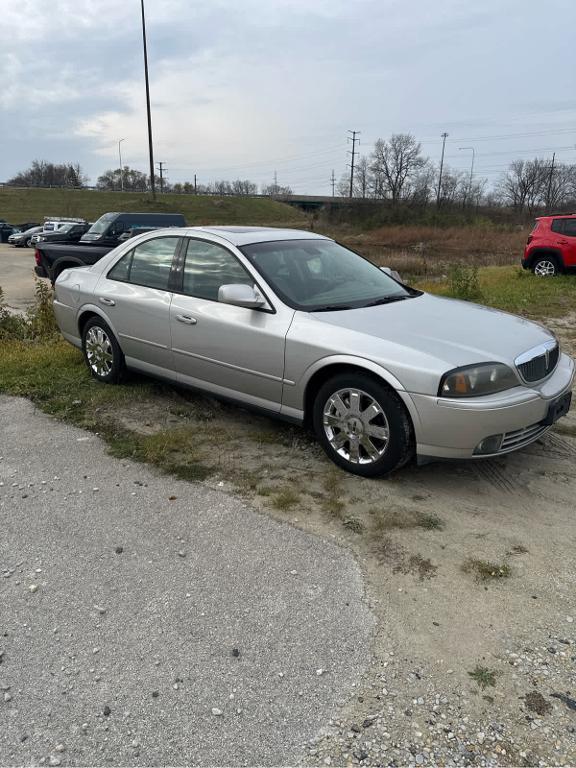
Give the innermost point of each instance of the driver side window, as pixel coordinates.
(207, 267)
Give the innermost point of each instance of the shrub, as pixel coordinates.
(39, 323)
(464, 282)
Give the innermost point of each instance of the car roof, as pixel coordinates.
(556, 216)
(237, 235)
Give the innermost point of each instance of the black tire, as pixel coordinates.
(28, 243)
(102, 353)
(546, 266)
(387, 454)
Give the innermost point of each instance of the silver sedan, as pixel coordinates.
(298, 326)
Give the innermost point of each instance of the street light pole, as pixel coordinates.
(150, 150)
(121, 169)
(471, 167)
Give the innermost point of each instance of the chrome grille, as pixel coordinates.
(520, 437)
(539, 362)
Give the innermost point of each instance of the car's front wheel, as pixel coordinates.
(102, 352)
(546, 266)
(363, 425)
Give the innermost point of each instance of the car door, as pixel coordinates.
(568, 242)
(230, 350)
(134, 294)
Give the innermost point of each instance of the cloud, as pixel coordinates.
(256, 86)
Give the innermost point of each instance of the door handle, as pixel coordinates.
(108, 302)
(187, 319)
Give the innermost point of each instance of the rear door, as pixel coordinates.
(230, 350)
(568, 242)
(135, 295)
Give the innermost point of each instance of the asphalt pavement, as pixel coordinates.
(148, 621)
(17, 275)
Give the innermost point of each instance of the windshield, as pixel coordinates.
(100, 226)
(317, 275)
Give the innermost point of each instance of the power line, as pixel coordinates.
(161, 168)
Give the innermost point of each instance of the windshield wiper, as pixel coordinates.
(386, 300)
(332, 308)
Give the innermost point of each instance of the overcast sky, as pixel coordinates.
(243, 88)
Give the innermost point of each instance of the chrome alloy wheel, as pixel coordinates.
(356, 426)
(99, 352)
(545, 268)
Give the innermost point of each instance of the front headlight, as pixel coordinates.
(477, 380)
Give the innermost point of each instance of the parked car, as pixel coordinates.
(23, 239)
(551, 246)
(302, 328)
(110, 230)
(112, 227)
(67, 233)
(6, 230)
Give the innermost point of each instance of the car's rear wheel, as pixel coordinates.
(546, 266)
(29, 243)
(363, 425)
(102, 352)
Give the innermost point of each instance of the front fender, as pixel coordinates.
(295, 392)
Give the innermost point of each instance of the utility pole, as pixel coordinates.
(121, 169)
(275, 183)
(161, 168)
(333, 182)
(150, 149)
(550, 175)
(195, 185)
(444, 137)
(353, 139)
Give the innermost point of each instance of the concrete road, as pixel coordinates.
(17, 275)
(147, 621)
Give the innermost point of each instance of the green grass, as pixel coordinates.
(515, 290)
(19, 205)
(483, 676)
(398, 518)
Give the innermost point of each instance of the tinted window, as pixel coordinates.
(207, 267)
(570, 227)
(148, 264)
(320, 274)
(557, 225)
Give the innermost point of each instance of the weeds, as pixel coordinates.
(484, 570)
(464, 282)
(39, 323)
(397, 518)
(285, 499)
(483, 676)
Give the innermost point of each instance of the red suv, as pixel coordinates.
(551, 246)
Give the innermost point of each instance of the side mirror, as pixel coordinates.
(392, 273)
(241, 295)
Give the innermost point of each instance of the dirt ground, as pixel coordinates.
(469, 568)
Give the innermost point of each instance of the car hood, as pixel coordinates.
(455, 332)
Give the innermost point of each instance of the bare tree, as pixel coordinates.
(44, 174)
(362, 177)
(395, 165)
(523, 184)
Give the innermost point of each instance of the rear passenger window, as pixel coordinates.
(207, 267)
(570, 227)
(148, 264)
(557, 225)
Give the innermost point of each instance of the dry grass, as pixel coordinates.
(400, 518)
(429, 251)
(484, 570)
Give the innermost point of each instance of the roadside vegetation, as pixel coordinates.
(18, 204)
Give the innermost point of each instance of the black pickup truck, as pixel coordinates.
(110, 230)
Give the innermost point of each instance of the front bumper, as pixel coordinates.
(452, 429)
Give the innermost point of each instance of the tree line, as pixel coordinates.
(396, 170)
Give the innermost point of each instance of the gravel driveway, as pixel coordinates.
(148, 621)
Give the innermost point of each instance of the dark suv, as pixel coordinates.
(551, 246)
